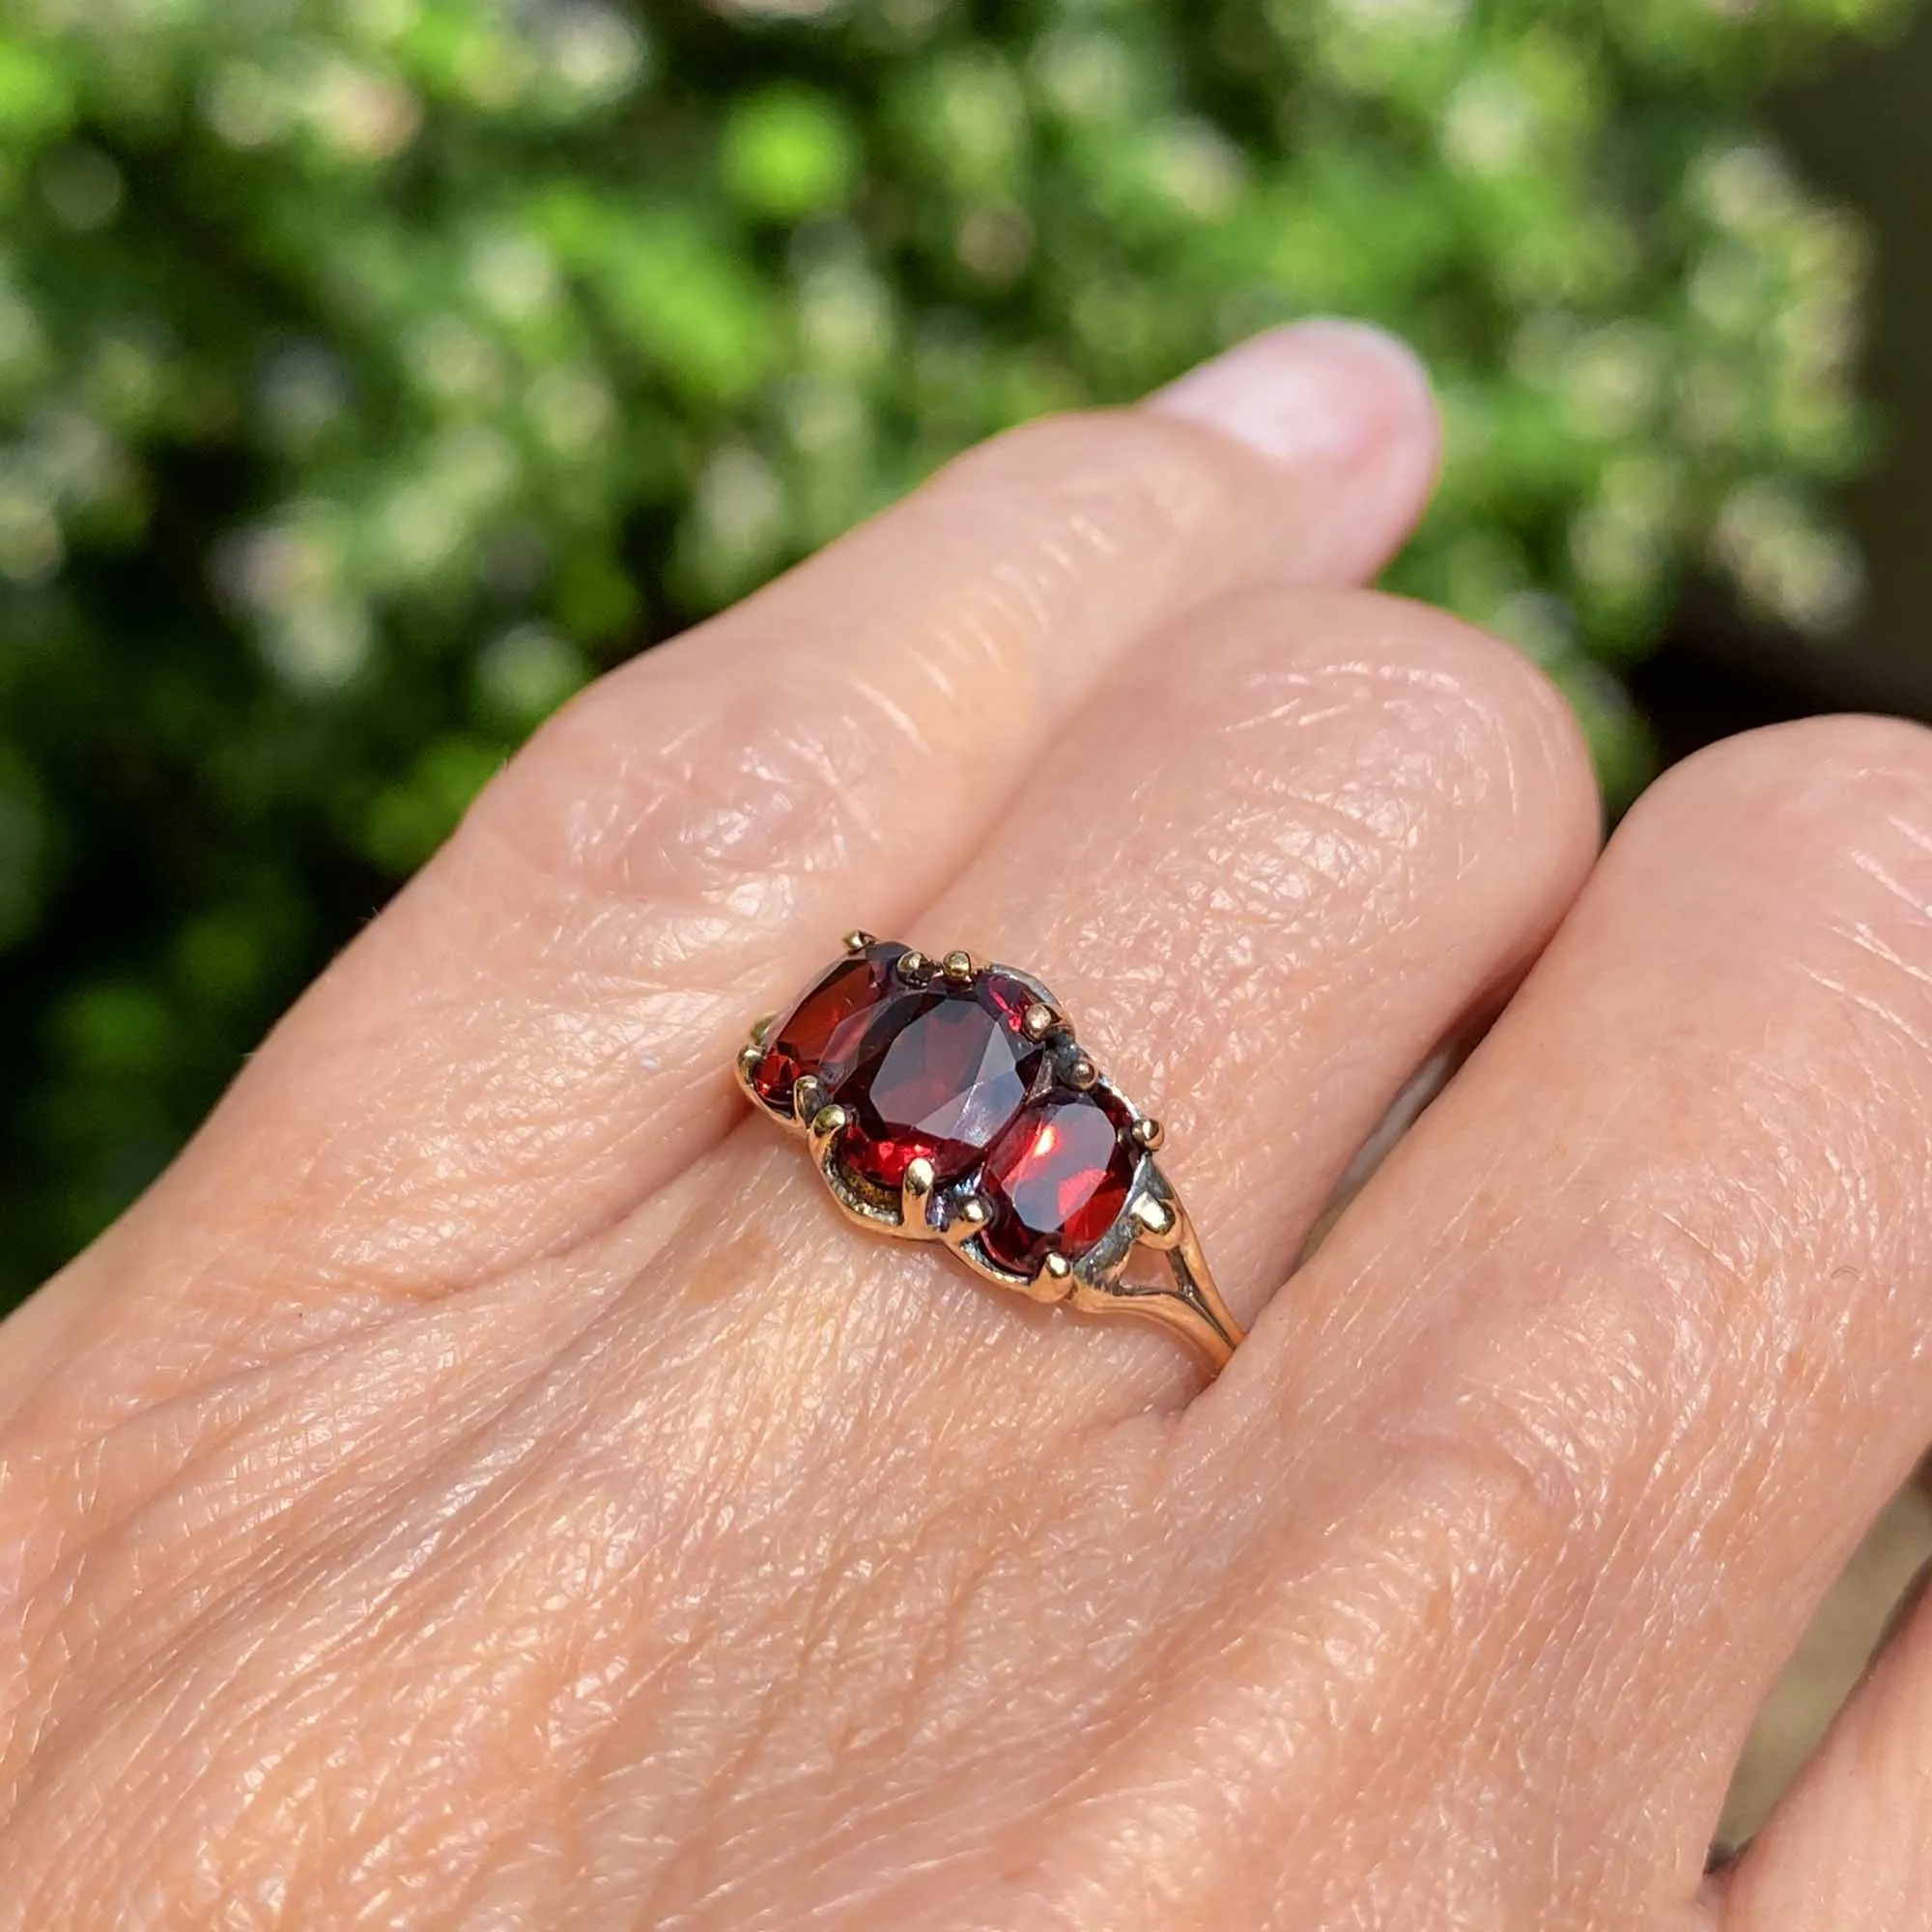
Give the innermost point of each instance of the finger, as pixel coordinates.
(1851, 1842)
(1599, 1382)
(1264, 891)
(529, 1039)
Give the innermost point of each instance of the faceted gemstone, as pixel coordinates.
(822, 1032)
(939, 1074)
(1057, 1179)
(1008, 998)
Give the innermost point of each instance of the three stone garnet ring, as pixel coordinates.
(949, 1100)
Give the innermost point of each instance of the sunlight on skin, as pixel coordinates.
(487, 1483)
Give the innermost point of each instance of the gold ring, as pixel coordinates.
(945, 1099)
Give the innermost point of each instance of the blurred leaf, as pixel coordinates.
(36, 100)
(372, 375)
(787, 152)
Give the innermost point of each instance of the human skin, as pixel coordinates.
(485, 1483)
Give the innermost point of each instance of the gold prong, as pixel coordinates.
(857, 941)
(1082, 1071)
(762, 1031)
(829, 1122)
(1155, 1217)
(1055, 1280)
(913, 968)
(964, 1218)
(1039, 1020)
(745, 1066)
(958, 967)
(808, 1095)
(1149, 1134)
(914, 1191)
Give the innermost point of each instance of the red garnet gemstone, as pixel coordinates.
(823, 1030)
(939, 1074)
(1057, 1179)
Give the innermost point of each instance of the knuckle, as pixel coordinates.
(1067, 504)
(1473, 1538)
(1511, 1481)
(1424, 730)
(1525, 1467)
(721, 791)
(1123, 476)
(1817, 789)
(1492, 711)
(1822, 832)
(774, 736)
(1789, 874)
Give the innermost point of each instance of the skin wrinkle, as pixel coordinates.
(407, 1267)
(1291, 1718)
(1900, 890)
(752, 1874)
(175, 1719)
(734, 1775)
(1873, 1007)
(205, 1614)
(1345, 1315)
(1013, 602)
(1554, 1514)
(201, 1442)
(779, 797)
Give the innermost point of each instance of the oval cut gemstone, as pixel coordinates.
(1057, 1179)
(938, 1075)
(822, 1032)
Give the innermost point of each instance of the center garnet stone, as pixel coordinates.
(940, 1074)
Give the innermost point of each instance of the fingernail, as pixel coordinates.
(1336, 393)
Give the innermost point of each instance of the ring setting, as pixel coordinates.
(946, 1099)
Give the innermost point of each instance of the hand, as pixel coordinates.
(485, 1483)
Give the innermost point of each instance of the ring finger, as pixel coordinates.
(1301, 839)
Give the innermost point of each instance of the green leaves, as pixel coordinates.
(787, 152)
(36, 97)
(371, 372)
(679, 298)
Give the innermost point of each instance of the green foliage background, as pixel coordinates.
(371, 372)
